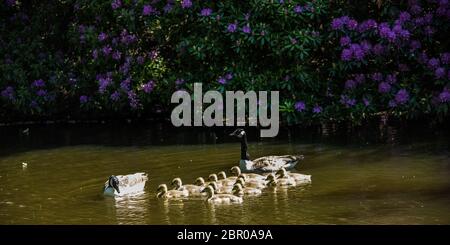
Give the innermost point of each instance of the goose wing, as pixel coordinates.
(132, 179)
(274, 163)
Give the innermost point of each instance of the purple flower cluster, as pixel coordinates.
(8, 93)
(356, 51)
(317, 109)
(206, 12)
(147, 9)
(186, 4)
(115, 4)
(38, 83)
(148, 87)
(127, 38)
(104, 80)
(83, 99)
(300, 106)
(444, 96)
(115, 96)
(402, 97)
(347, 101)
(344, 22)
(232, 27)
(224, 79)
(133, 99)
(246, 29)
(102, 36)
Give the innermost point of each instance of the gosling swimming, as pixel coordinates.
(220, 198)
(192, 189)
(299, 178)
(240, 191)
(273, 181)
(164, 193)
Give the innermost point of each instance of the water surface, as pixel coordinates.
(352, 183)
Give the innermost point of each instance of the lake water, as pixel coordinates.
(388, 179)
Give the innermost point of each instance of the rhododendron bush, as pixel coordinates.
(330, 60)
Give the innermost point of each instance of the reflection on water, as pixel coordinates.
(396, 182)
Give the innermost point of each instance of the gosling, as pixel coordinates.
(193, 190)
(272, 181)
(238, 190)
(220, 198)
(164, 193)
(237, 171)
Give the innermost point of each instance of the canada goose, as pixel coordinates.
(125, 184)
(200, 181)
(220, 198)
(263, 164)
(299, 178)
(240, 191)
(164, 193)
(273, 181)
(222, 176)
(192, 189)
(222, 189)
(237, 171)
(251, 182)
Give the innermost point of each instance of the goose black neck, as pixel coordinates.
(244, 146)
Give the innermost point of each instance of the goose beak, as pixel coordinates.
(117, 189)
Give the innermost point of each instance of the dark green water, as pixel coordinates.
(353, 182)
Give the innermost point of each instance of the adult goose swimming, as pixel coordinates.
(125, 184)
(263, 164)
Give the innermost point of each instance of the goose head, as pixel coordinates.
(236, 170)
(271, 179)
(214, 186)
(282, 172)
(113, 182)
(240, 181)
(212, 177)
(200, 181)
(162, 188)
(176, 183)
(221, 175)
(241, 176)
(209, 190)
(237, 187)
(239, 133)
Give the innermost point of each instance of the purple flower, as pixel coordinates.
(360, 78)
(377, 76)
(116, 55)
(125, 84)
(246, 29)
(222, 80)
(186, 4)
(350, 84)
(384, 87)
(132, 97)
(348, 102)
(102, 36)
(147, 10)
(433, 63)
(440, 73)
(140, 60)
(8, 93)
(404, 16)
(298, 9)
(95, 54)
(148, 87)
(317, 109)
(104, 82)
(444, 96)
(115, 96)
(351, 24)
(206, 12)
(337, 24)
(402, 96)
(300, 106)
(179, 81)
(106, 50)
(366, 101)
(41, 92)
(445, 58)
(391, 78)
(167, 8)
(232, 27)
(229, 76)
(344, 41)
(346, 55)
(38, 83)
(378, 49)
(116, 4)
(83, 99)
(392, 104)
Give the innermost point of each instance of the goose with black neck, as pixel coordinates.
(266, 163)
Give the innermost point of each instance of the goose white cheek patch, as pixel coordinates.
(256, 104)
